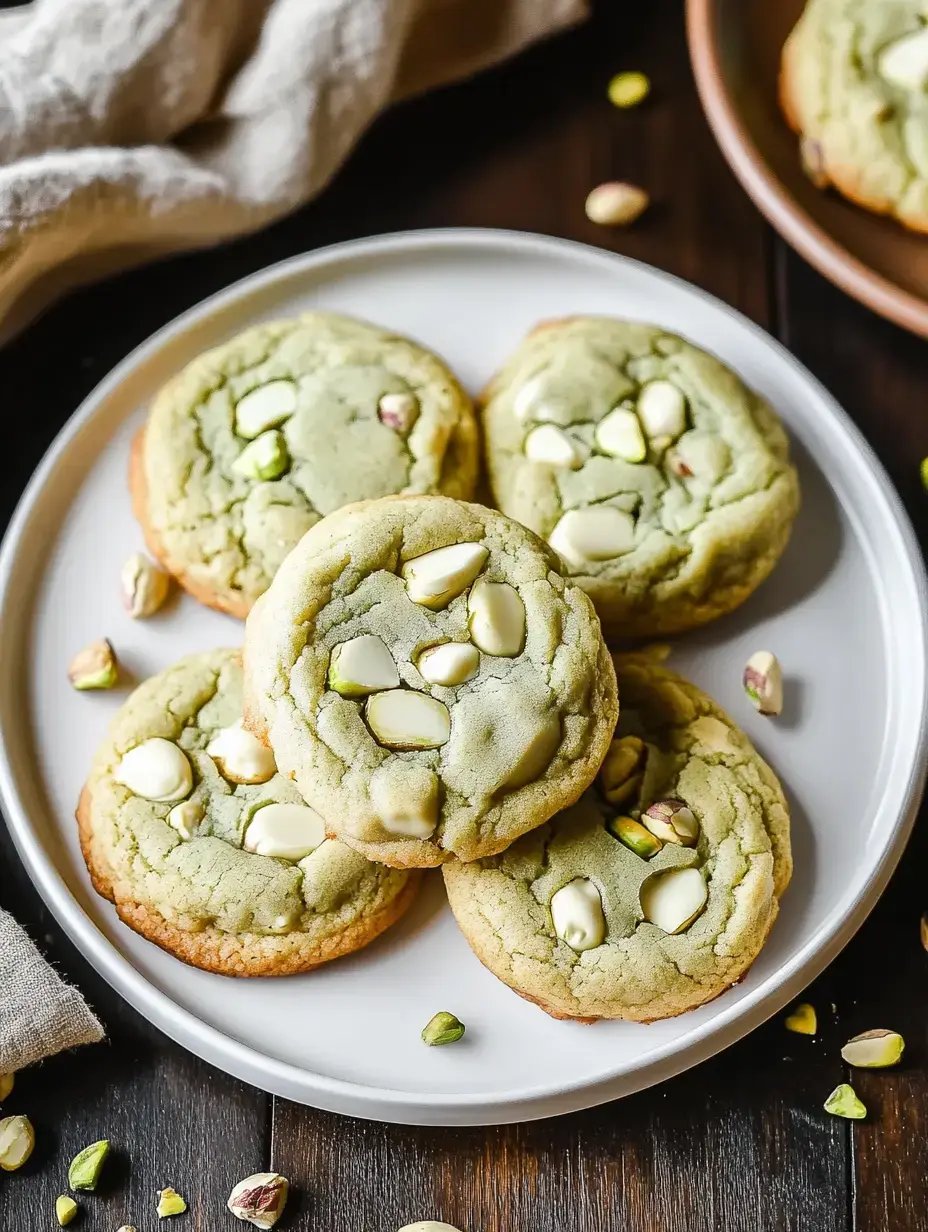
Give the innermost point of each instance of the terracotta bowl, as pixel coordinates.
(735, 47)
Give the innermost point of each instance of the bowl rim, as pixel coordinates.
(771, 196)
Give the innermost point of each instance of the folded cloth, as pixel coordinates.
(130, 128)
(39, 1013)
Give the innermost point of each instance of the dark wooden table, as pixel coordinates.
(742, 1142)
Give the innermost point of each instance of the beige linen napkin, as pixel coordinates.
(130, 128)
(39, 1013)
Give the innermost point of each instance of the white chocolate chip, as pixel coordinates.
(185, 817)
(763, 682)
(599, 532)
(904, 63)
(405, 797)
(577, 914)
(265, 407)
(240, 756)
(662, 409)
(496, 618)
(673, 899)
(550, 445)
(361, 666)
(700, 454)
(616, 204)
(619, 435)
(450, 664)
(402, 719)
(525, 399)
(398, 411)
(672, 822)
(287, 831)
(156, 769)
(435, 578)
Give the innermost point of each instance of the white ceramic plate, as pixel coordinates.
(845, 611)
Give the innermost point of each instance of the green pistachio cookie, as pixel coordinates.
(853, 84)
(662, 481)
(205, 849)
(429, 679)
(656, 891)
(255, 441)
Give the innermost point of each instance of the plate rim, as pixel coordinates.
(463, 1108)
(835, 262)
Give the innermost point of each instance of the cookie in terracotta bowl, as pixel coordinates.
(205, 849)
(256, 440)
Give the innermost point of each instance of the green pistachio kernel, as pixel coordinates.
(87, 1164)
(629, 89)
(843, 1102)
(65, 1210)
(635, 836)
(265, 458)
(444, 1028)
(170, 1203)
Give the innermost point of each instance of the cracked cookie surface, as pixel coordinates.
(695, 756)
(662, 481)
(409, 770)
(224, 485)
(853, 85)
(201, 896)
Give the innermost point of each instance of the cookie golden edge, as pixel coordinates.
(461, 473)
(772, 538)
(486, 945)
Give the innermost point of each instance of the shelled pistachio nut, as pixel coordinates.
(874, 1049)
(170, 1203)
(635, 837)
(17, 1140)
(259, 1199)
(621, 772)
(144, 585)
(616, 204)
(763, 682)
(65, 1210)
(803, 1020)
(672, 821)
(86, 1166)
(444, 1028)
(265, 458)
(7, 1082)
(843, 1102)
(94, 667)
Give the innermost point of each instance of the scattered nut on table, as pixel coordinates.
(65, 1210)
(616, 204)
(874, 1049)
(170, 1203)
(94, 667)
(17, 1139)
(803, 1020)
(145, 586)
(6, 1086)
(259, 1199)
(628, 89)
(87, 1165)
(843, 1102)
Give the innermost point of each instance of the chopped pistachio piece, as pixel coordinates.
(628, 89)
(17, 1138)
(763, 682)
(265, 458)
(923, 931)
(94, 667)
(444, 1028)
(170, 1203)
(924, 471)
(6, 1085)
(803, 1020)
(843, 1102)
(874, 1049)
(65, 1210)
(635, 837)
(87, 1164)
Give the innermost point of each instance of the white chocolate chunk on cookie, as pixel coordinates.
(549, 444)
(496, 618)
(673, 899)
(361, 666)
(240, 756)
(287, 831)
(620, 436)
(402, 719)
(437, 577)
(265, 407)
(662, 409)
(156, 769)
(450, 664)
(599, 532)
(577, 914)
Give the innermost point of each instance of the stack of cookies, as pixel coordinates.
(425, 681)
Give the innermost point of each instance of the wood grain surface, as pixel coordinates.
(740, 1144)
